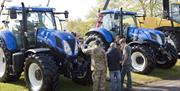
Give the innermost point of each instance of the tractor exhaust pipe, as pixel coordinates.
(24, 27)
(166, 14)
(121, 33)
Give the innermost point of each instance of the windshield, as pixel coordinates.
(113, 23)
(110, 22)
(129, 20)
(176, 12)
(41, 20)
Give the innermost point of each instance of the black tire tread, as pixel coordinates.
(49, 68)
(87, 80)
(169, 63)
(175, 36)
(93, 37)
(150, 58)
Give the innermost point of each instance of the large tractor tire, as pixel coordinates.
(5, 61)
(170, 59)
(91, 38)
(142, 59)
(85, 79)
(174, 39)
(41, 73)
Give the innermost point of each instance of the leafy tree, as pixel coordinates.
(80, 26)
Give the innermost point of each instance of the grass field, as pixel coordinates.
(68, 85)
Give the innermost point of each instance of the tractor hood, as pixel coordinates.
(62, 41)
(143, 34)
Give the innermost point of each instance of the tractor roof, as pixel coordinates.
(118, 11)
(41, 9)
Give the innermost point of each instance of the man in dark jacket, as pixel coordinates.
(114, 57)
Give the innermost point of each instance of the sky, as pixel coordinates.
(77, 8)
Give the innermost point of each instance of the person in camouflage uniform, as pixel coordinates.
(98, 66)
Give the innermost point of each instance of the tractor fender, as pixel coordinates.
(152, 44)
(37, 50)
(9, 39)
(142, 43)
(136, 43)
(103, 32)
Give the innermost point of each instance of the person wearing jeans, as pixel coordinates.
(126, 71)
(126, 64)
(115, 76)
(114, 57)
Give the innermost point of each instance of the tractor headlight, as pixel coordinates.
(76, 48)
(67, 48)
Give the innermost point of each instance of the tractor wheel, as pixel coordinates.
(170, 60)
(85, 79)
(41, 73)
(173, 39)
(91, 38)
(5, 58)
(142, 59)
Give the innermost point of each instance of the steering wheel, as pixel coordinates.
(125, 26)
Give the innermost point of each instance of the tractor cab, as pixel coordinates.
(36, 18)
(112, 21)
(29, 23)
(175, 12)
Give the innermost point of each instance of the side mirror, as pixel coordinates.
(66, 14)
(13, 14)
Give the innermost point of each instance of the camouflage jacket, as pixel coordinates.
(98, 58)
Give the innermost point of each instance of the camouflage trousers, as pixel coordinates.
(99, 80)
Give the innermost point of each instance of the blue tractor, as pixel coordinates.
(30, 40)
(149, 47)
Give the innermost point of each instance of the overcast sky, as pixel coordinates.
(76, 8)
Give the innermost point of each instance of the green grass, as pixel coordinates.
(157, 74)
(67, 85)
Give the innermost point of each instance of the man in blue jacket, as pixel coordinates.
(114, 56)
